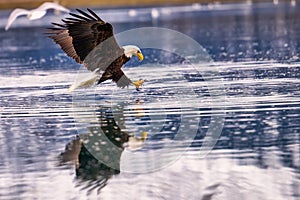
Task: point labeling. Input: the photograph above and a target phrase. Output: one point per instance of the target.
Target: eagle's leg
(138, 83)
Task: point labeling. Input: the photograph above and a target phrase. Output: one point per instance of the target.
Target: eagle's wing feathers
(81, 17)
(89, 16)
(94, 14)
(80, 34)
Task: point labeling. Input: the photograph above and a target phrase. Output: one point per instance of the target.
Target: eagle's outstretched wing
(80, 34)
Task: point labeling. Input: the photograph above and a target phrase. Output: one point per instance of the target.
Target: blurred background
(7, 4)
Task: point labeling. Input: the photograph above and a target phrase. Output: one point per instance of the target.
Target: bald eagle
(90, 41)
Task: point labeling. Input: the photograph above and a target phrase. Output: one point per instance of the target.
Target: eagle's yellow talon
(138, 83)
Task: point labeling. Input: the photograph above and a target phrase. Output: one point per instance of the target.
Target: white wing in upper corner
(52, 5)
(14, 14)
(45, 6)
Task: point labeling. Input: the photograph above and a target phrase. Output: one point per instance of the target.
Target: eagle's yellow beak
(140, 56)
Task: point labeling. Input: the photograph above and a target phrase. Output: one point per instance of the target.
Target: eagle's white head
(131, 50)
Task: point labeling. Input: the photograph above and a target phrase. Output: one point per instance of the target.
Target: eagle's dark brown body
(114, 71)
(89, 40)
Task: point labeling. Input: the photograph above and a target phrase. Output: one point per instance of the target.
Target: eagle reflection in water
(91, 172)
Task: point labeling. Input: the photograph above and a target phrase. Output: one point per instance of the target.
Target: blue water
(255, 52)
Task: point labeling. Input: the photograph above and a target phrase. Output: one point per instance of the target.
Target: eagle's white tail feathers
(84, 81)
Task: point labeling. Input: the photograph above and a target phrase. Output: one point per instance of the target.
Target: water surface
(255, 49)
